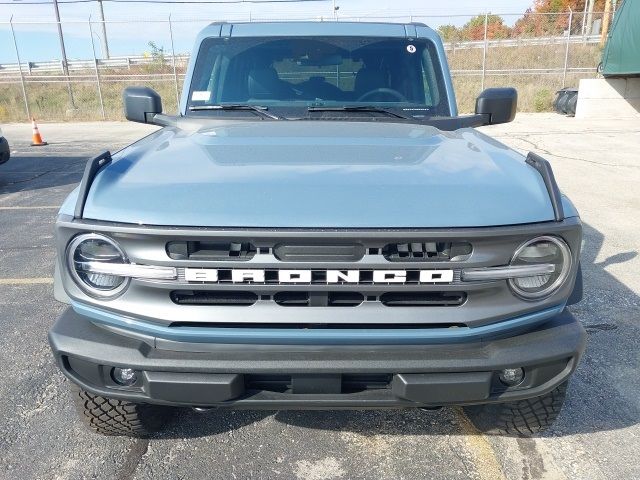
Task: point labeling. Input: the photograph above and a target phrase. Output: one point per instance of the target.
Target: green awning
(621, 56)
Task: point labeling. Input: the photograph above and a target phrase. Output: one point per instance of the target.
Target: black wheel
(113, 417)
(523, 418)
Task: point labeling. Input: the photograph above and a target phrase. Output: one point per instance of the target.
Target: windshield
(315, 72)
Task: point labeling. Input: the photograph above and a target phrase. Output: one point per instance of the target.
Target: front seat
(264, 84)
(368, 79)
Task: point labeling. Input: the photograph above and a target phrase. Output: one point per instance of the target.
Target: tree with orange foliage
(549, 17)
(474, 29)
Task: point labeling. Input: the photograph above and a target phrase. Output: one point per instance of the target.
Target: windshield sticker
(411, 48)
(201, 96)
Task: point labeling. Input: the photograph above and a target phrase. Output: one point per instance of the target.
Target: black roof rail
(544, 169)
(89, 175)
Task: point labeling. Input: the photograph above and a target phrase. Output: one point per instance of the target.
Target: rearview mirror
(141, 104)
(499, 105)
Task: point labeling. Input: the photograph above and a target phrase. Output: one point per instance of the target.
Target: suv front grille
(240, 250)
(317, 299)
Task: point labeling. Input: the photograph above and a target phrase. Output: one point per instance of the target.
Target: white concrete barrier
(609, 98)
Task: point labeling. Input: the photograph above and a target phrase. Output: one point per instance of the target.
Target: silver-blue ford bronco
(318, 228)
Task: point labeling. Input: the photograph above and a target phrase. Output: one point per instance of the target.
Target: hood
(319, 174)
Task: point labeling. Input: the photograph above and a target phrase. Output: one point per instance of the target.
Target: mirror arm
(162, 120)
(486, 118)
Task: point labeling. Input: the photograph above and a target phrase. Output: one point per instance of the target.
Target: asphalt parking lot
(596, 437)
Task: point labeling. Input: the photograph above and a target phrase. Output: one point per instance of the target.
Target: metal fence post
(484, 50)
(566, 51)
(95, 65)
(24, 90)
(175, 72)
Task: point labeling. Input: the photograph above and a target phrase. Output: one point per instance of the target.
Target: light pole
(105, 45)
(65, 67)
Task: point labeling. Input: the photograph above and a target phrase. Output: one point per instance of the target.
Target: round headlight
(88, 249)
(542, 250)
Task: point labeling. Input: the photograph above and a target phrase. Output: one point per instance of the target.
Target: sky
(136, 24)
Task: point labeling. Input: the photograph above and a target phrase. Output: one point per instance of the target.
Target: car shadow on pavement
(26, 173)
(602, 394)
(188, 423)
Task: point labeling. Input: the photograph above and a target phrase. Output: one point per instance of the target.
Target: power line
(18, 2)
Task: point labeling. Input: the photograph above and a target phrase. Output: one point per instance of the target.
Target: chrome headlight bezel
(84, 286)
(567, 263)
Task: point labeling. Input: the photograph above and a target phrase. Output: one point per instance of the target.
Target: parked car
(5, 153)
(318, 228)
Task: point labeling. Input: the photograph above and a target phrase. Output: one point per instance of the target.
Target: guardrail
(135, 60)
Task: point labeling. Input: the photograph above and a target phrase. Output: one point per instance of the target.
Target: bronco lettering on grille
(308, 276)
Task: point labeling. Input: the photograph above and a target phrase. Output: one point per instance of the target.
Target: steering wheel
(385, 91)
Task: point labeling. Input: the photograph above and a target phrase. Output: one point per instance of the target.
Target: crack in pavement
(547, 152)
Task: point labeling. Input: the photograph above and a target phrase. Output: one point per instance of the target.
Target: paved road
(596, 437)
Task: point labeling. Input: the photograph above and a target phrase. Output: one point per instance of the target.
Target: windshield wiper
(254, 108)
(359, 108)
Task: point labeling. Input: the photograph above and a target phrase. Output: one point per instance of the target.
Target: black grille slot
(319, 253)
(345, 299)
(197, 297)
(269, 383)
(216, 251)
(349, 383)
(318, 299)
(365, 381)
(423, 299)
(426, 251)
(292, 299)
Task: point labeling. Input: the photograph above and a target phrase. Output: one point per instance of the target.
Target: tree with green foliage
(449, 33)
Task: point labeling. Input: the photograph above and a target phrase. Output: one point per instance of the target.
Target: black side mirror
(499, 105)
(141, 104)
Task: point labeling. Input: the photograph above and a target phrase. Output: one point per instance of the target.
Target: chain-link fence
(536, 53)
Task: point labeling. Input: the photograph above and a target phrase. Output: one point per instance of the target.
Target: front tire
(113, 417)
(523, 418)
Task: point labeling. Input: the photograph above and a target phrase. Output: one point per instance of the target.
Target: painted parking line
(39, 207)
(485, 460)
(26, 281)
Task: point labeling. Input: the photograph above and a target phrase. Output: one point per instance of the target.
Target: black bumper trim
(421, 375)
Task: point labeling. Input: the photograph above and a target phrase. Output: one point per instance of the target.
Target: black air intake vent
(195, 297)
(318, 299)
(426, 251)
(423, 299)
(216, 251)
(319, 253)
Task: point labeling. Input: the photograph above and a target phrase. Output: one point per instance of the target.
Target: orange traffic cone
(36, 139)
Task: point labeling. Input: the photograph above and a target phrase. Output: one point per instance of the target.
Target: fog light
(124, 376)
(511, 376)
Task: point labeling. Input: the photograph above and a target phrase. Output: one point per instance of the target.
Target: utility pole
(65, 67)
(105, 44)
(590, 16)
(605, 22)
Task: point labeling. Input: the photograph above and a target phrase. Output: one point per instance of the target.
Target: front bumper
(4, 150)
(316, 376)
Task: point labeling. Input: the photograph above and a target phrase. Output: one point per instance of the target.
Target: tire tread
(522, 418)
(113, 417)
